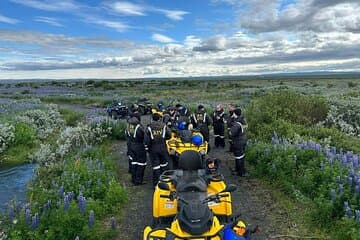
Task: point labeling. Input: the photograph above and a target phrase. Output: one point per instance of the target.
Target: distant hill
(290, 75)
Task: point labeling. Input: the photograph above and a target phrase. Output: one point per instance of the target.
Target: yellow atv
(195, 220)
(191, 179)
(185, 140)
(160, 112)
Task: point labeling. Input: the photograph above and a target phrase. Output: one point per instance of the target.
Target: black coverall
(156, 134)
(237, 134)
(202, 121)
(219, 128)
(136, 150)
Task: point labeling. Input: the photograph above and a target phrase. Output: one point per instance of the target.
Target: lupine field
(303, 139)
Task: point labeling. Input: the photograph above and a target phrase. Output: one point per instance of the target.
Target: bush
(24, 134)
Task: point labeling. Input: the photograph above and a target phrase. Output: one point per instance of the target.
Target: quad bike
(185, 140)
(145, 106)
(117, 110)
(195, 220)
(191, 179)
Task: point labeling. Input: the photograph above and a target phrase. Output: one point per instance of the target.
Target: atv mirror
(230, 188)
(163, 186)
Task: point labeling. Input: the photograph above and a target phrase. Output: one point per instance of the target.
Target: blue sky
(162, 38)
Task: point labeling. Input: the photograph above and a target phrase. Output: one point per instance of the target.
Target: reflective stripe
(130, 157)
(242, 128)
(215, 135)
(150, 131)
(164, 131)
(156, 168)
(195, 119)
(163, 165)
(139, 163)
(136, 128)
(240, 157)
(222, 136)
(204, 119)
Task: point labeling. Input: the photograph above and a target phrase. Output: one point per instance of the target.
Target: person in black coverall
(155, 135)
(201, 120)
(219, 126)
(237, 134)
(136, 149)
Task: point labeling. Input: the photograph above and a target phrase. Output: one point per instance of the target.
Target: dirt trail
(255, 203)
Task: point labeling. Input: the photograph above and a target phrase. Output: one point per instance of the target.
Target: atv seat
(191, 182)
(190, 160)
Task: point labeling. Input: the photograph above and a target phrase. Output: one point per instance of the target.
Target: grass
(16, 155)
(71, 117)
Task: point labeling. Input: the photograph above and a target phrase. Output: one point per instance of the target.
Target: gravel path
(255, 203)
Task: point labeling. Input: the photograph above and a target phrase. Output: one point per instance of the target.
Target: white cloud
(172, 14)
(116, 25)
(5, 19)
(127, 8)
(48, 5)
(151, 71)
(162, 38)
(48, 20)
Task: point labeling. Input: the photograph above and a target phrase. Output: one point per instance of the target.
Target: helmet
(212, 165)
(197, 140)
(182, 125)
(182, 110)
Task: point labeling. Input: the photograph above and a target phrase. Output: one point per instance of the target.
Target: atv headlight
(202, 151)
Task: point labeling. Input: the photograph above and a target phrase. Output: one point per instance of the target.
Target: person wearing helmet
(136, 150)
(212, 166)
(229, 122)
(237, 134)
(201, 120)
(156, 134)
(170, 116)
(134, 111)
(182, 116)
(219, 126)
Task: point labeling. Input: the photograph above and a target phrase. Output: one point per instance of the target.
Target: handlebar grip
(224, 195)
(164, 196)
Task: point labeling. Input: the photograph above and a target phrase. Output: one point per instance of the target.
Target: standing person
(136, 150)
(201, 120)
(170, 117)
(219, 126)
(156, 134)
(237, 134)
(229, 122)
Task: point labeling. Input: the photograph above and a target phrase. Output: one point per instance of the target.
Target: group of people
(152, 138)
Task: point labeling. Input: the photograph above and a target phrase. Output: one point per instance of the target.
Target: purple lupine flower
(343, 159)
(352, 172)
(113, 223)
(70, 196)
(91, 219)
(318, 147)
(333, 195)
(61, 190)
(341, 188)
(357, 189)
(333, 150)
(355, 161)
(81, 203)
(66, 203)
(311, 144)
(35, 221)
(349, 154)
(28, 216)
(357, 215)
(348, 212)
(331, 158)
(304, 145)
(11, 213)
(341, 151)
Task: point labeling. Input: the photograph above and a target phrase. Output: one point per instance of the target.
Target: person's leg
(156, 166)
(140, 165)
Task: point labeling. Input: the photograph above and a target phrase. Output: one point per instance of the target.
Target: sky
(68, 39)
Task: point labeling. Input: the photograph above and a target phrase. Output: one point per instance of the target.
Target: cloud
(116, 25)
(5, 19)
(151, 71)
(172, 14)
(213, 44)
(127, 8)
(132, 9)
(47, 5)
(162, 38)
(49, 20)
(304, 15)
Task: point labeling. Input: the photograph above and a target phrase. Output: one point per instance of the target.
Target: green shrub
(24, 134)
(71, 118)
